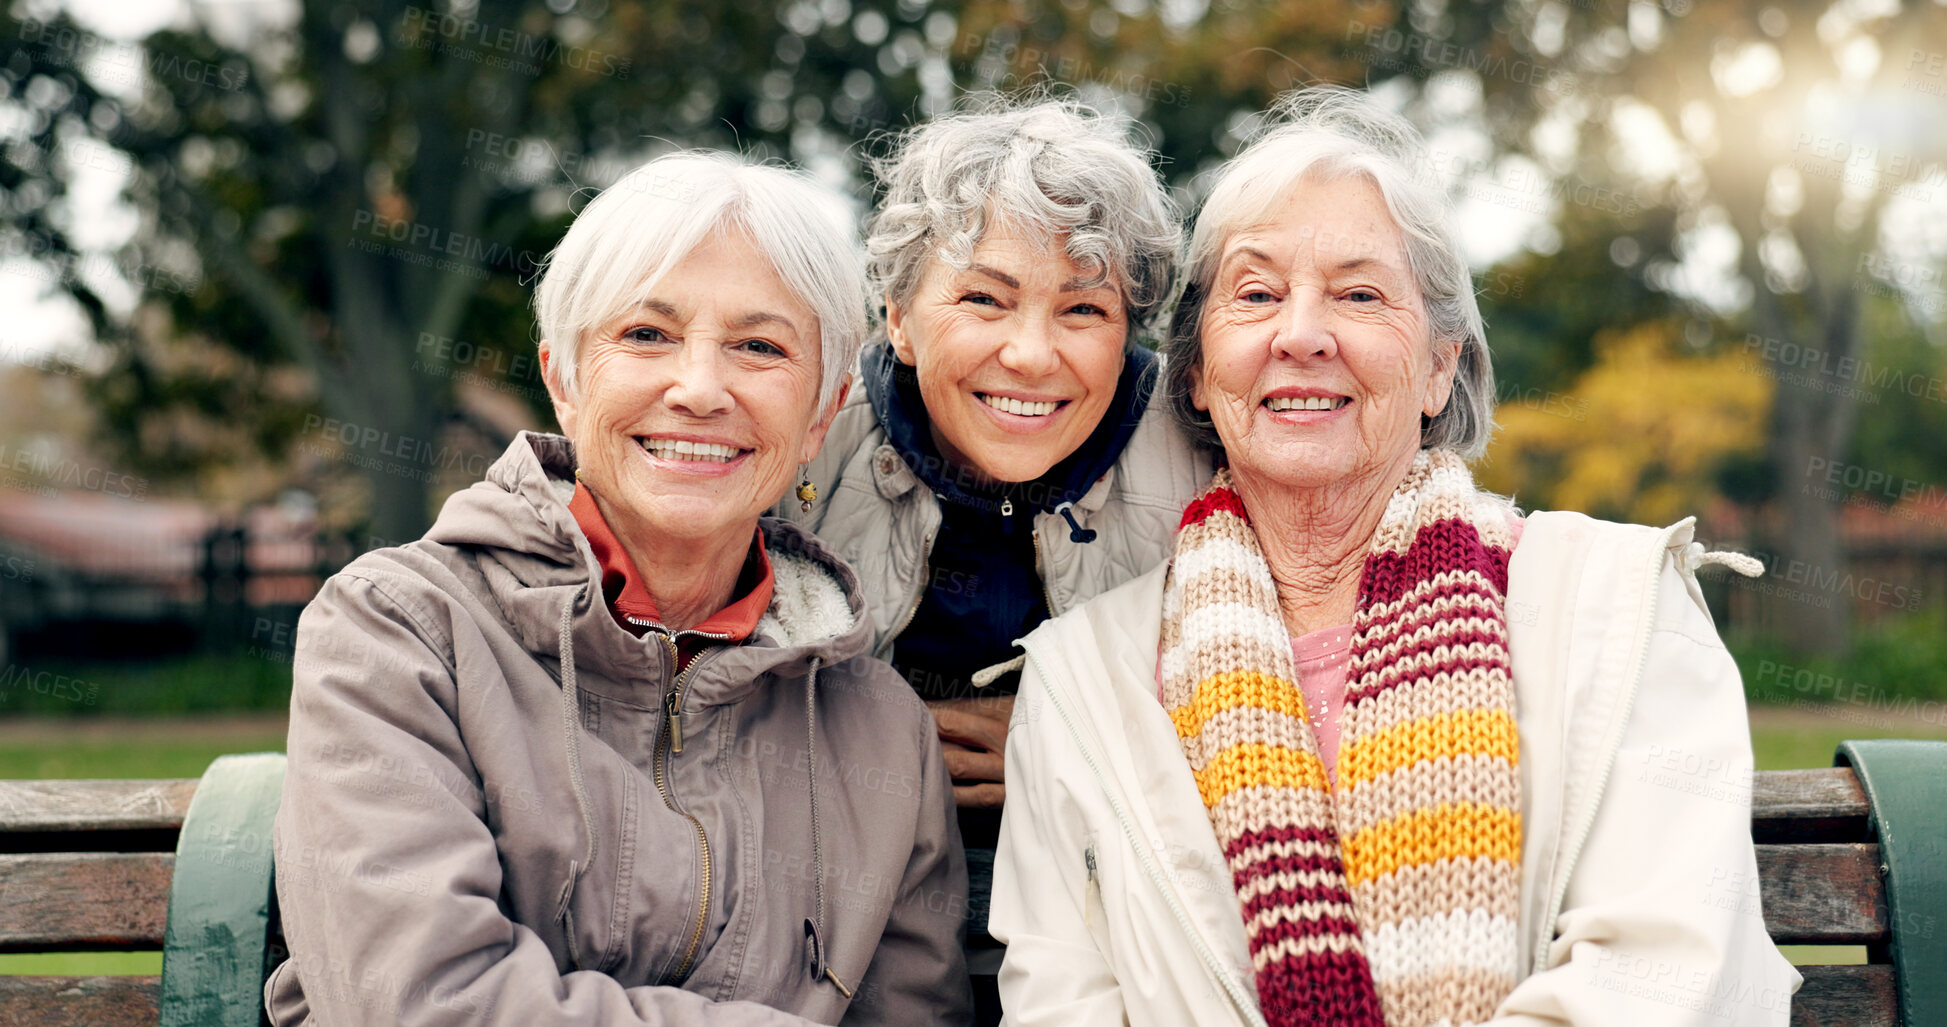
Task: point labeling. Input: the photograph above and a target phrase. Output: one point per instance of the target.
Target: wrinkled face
(1017, 358)
(697, 407)
(1317, 362)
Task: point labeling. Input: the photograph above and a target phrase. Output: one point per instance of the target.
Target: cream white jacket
(1639, 901)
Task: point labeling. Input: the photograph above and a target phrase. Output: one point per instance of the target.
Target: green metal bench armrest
(220, 895)
(1906, 783)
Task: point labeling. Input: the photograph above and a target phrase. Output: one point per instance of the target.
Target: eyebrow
(996, 274)
(739, 323)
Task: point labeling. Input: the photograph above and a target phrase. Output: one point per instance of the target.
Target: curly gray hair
(1331, 131)
(1056, 166)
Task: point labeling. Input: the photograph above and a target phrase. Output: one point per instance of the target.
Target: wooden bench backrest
(85, 866)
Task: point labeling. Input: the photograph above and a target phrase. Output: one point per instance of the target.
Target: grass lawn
(183, 746)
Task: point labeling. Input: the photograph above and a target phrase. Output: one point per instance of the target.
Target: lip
(693, 468)
(1022, 424)
(1304, 417)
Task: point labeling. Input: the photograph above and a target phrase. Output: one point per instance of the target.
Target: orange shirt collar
(628, 596)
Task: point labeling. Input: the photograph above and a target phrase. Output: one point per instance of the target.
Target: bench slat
(1822, 894)
(68, 902)
(1820, 805)
(1846, 996)
(78, 1001)
(94, 805)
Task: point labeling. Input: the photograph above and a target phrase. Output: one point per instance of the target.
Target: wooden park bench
(1851, 855)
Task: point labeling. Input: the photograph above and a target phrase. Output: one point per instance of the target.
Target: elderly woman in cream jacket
(1372, 748)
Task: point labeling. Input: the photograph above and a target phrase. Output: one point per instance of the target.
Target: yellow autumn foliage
(1641, 435)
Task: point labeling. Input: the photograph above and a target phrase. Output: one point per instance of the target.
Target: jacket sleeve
(1660, 922)
(388, 874)
(1055, 972)
(919, 973)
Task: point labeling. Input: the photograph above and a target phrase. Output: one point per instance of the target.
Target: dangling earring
(807, 494)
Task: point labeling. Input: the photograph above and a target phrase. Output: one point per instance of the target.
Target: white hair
(1335, 132)
(1057, 167)
(636, 231)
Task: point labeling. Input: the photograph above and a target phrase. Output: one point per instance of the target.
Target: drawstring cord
(814, 926)
(1076, 533)
(571, 736)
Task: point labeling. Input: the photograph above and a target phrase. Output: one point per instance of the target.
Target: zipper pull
(1007, 506)
(672, 705)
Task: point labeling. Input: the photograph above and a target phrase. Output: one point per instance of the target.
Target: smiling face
(1017, 359)
(697, 407)
(1317, 363)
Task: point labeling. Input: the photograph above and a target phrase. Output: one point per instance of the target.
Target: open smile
(688, 450)
(1020, 407)
(1278, 404)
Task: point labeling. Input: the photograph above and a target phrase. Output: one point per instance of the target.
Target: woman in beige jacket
(606, 746)
(1373, 749)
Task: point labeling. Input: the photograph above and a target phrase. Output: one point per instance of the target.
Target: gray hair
(636, 231)
(1336, 132)
(1056, 166)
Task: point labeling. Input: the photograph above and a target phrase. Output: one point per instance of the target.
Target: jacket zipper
(1147, 858)
(1041, 573)
(925, 570)
(1587, 823)
(669, 738)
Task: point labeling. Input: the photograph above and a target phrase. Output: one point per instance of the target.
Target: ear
(902, 344)
(1439, 384)
(1196, 389)
(815, 440)
(565, 409)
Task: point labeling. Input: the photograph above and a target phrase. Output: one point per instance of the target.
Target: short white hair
(1332, 132)
(637, 229)
(1057, 167)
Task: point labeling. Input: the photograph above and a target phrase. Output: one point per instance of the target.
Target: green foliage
(193, 684)
(1897, 666)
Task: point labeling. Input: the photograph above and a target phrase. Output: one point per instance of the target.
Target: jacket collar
(893, 389)
(533, 557)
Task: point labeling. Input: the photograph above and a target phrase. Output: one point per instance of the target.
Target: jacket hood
(893, 388)
(534, 560)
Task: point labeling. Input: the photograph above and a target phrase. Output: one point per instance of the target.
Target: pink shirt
(1321, 659)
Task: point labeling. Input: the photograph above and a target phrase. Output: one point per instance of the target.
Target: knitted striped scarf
(1392, 899)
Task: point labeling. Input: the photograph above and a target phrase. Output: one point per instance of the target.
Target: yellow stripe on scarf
(1454, 733)
(1255, 763)
(1463, 830)
(1232, 689)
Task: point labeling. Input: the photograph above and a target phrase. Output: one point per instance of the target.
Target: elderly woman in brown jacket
(605, 747)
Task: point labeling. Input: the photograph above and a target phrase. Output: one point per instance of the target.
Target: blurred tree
(1608, 446)
(339, 215)
(1807, 171)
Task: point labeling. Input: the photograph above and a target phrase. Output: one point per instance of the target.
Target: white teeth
(682, 449)
(1016, 406)
(1307, 402)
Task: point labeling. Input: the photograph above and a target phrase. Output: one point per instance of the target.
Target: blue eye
(1259, 296)
(978, 297)
(1362, 296)
(1089, 309)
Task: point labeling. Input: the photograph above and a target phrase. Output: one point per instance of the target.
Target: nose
(1030, 350)
(702, 385)
(1304, 327)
